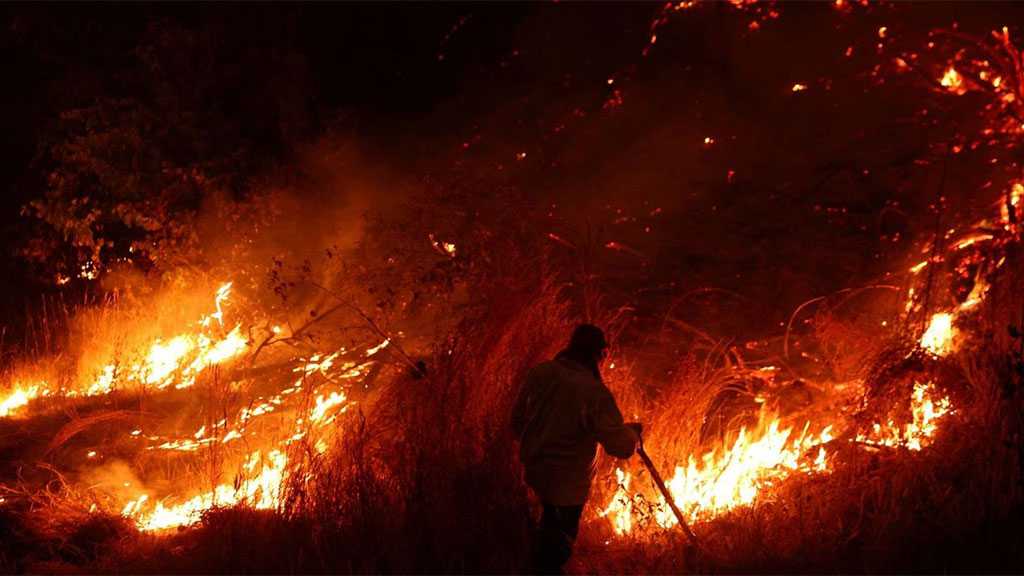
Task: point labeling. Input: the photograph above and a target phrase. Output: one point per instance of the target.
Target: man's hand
(636, 427)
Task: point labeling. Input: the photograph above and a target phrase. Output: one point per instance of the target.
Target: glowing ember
(378, 347)
(952, 81)
(448, 248)
(965, 242)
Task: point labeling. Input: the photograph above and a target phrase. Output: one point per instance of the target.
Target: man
(562, 413)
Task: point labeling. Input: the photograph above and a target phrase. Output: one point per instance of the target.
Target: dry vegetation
(419, 473)
(422, 475)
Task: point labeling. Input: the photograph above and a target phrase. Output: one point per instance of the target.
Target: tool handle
(665, 493)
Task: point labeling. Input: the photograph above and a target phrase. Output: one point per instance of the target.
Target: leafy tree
(125, 169)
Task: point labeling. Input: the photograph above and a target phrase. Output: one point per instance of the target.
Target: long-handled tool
(665, 493)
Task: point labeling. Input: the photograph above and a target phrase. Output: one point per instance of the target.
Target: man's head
(588, 342)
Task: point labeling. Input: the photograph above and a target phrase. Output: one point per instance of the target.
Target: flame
(976, 296)
(449, 248)
(938, 338)
(734, 477)
(104, 383)
(20, 396)
(917, 433)
(969, 240)
(163, 359)
(324, 404)
(721, 482)
(378, 347)
(222, 295)
(918, 267)
(754, 463)
(260, 491)
(181, 359)
(620, 508)
(953, 81)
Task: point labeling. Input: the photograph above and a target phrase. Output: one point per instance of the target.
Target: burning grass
(351, 414)
(786, 475)
(298, 459)
(294, 445)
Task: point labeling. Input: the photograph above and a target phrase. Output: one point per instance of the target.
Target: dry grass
(423, 474)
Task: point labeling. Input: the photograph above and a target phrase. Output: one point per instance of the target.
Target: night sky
(601, 118)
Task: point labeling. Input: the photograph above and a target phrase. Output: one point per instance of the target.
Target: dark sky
(403, 75)
(414, 82)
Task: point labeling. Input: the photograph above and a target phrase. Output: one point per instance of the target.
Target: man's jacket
(561, 414)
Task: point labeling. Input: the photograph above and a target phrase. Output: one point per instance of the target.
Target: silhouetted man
(562, 413)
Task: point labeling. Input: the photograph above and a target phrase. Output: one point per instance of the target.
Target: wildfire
(750, 466)
(721, 481)
(264, 474)
(20, 396)
(917, 433)
(260, 490)
(938, 338)
(754, 463)
(179, 360)
(264, 471)
(324, 404)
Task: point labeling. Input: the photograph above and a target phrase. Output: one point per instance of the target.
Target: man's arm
(617, 438)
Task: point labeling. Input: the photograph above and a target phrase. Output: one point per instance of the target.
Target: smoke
(115, 478)
(692, 192)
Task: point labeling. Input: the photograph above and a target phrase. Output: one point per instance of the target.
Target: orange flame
(938, 338)
(734, 477)
(917, 433)
(20, 396)
(260, 490)
(953, 81)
